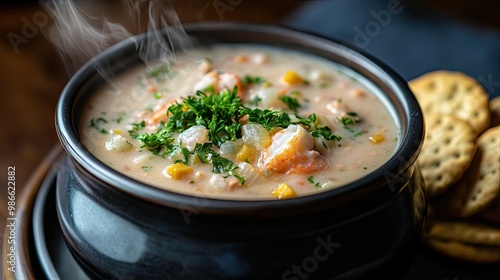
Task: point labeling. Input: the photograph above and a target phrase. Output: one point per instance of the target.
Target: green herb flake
(158, 95)
(147, 168)
(136, 127)
(94, 123)
(248, 79)
(324, 85)
(326, 133)
(292, 103)
(348, 119)
(310, 179)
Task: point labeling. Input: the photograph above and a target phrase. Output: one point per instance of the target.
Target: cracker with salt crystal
(480, 184)
(448, 149)
(453, 93)
(466, 252)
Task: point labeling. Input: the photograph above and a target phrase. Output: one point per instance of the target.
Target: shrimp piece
(357, 92)
(160, 114)
(194, 135)
(211, 79)
(219, 82)
(240, 58)
(229, 81)
(291, 151)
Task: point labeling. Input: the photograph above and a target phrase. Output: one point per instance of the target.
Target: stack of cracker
(460, 163)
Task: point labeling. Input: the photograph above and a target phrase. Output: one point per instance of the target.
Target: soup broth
(240, 122)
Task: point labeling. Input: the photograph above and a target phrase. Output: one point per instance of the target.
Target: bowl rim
(401, 162)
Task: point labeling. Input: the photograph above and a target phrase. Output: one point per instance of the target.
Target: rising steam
(80, 31)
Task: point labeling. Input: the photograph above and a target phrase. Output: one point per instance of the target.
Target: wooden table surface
(32, 74)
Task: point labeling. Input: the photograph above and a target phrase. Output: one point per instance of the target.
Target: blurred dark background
(32, 74)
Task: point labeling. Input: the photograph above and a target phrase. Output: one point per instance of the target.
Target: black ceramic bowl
(120, 228)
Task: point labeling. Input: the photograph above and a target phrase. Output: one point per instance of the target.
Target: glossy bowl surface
(117, 226)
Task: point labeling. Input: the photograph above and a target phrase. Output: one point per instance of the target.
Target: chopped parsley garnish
(158, 95)
(136, 127)
(159, 143)
(147, 168)
(348, 119)
(119, 120)
(95, 124)
(292, 103)
(270, 119)
(326, 133)
(220, 114)
(310, 179)
(252, 80)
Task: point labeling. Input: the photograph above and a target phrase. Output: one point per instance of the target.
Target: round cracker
(495, 111)
(453, 93)
(466, 252)
(480, 184)
(448, 149)
(464, 231)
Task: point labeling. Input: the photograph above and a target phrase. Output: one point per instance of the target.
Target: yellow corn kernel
(195, 160)
(178, 170)
(377, 138)
(291, 78)
(115, 131)
(283, 191)
(246, 153)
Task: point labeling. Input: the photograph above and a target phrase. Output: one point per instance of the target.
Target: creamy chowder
(240, 122)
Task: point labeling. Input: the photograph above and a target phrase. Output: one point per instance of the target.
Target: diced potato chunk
(246, 153)
(255, 135)
(260, 58)
(118, 143)
(319, 75)
(283, 191)
(291, 78)
(178, 170)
